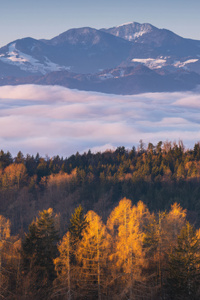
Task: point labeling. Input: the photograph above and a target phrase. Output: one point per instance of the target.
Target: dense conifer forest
(120, 224)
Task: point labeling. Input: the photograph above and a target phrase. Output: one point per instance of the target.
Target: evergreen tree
(38, 251)
(78, 223)
(184, 266)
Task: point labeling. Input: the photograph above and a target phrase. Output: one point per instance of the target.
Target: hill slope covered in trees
(134, 254)
(158, 175)
(132, 248)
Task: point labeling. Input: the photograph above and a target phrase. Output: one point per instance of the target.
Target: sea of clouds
(55, 120)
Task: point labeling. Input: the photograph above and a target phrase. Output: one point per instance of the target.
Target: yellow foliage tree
(172, 225)
(4, 235)
(126, 224)
(9, 259)
(14, 175)
(92, 256)
(65, 280)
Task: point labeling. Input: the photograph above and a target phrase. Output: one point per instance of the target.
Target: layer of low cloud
(54, 120)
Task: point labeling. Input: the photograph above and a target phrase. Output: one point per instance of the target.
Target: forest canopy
(113, 225)
(159, 175)
(135, 254)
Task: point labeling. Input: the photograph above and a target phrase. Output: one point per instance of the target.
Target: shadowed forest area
(120, 224)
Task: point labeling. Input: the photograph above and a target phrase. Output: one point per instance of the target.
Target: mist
(54, 120)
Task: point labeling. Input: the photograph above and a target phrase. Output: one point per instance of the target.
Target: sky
(48, 18)
(54, 120)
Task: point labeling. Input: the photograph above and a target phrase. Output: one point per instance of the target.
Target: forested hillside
(158, 175)
(121, 224)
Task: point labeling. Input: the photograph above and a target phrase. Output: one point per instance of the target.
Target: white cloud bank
(54, 120)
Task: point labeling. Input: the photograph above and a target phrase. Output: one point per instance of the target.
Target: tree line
(159, 175)
(135, 254)
(166, 161)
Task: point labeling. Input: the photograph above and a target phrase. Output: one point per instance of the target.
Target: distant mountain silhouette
(126, 59)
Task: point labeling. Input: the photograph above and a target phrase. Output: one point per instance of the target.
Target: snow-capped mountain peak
(128, 58)
(124, 24)
(130, 31)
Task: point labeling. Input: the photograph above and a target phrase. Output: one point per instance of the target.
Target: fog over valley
(55, 120)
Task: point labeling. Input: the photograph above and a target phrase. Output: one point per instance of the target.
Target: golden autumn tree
(118, 227)
(9, 261)
(64, 283)
(92, 256)
(4, 235)
(14, 175)
(174, 222)
(126, 227)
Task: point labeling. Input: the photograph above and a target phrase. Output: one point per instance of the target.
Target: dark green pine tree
(184, 266)
(39, 249)
(77, 224)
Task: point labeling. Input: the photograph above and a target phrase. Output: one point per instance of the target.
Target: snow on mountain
(88, 49)
(184, 63)
(161, 62)
(152, 63)
(124, 24)
(28, 63)
(130, 31)
(128, 58)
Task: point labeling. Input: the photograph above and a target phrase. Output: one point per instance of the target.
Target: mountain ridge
(90, 51)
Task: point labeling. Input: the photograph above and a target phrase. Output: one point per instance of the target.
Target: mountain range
(127, 59)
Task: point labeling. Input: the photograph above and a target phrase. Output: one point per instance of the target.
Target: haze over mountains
(127, 59)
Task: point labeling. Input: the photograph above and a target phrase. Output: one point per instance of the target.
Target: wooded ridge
(158, 175)
(117, 227)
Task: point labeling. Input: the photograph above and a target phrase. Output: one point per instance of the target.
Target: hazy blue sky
(48, 18)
